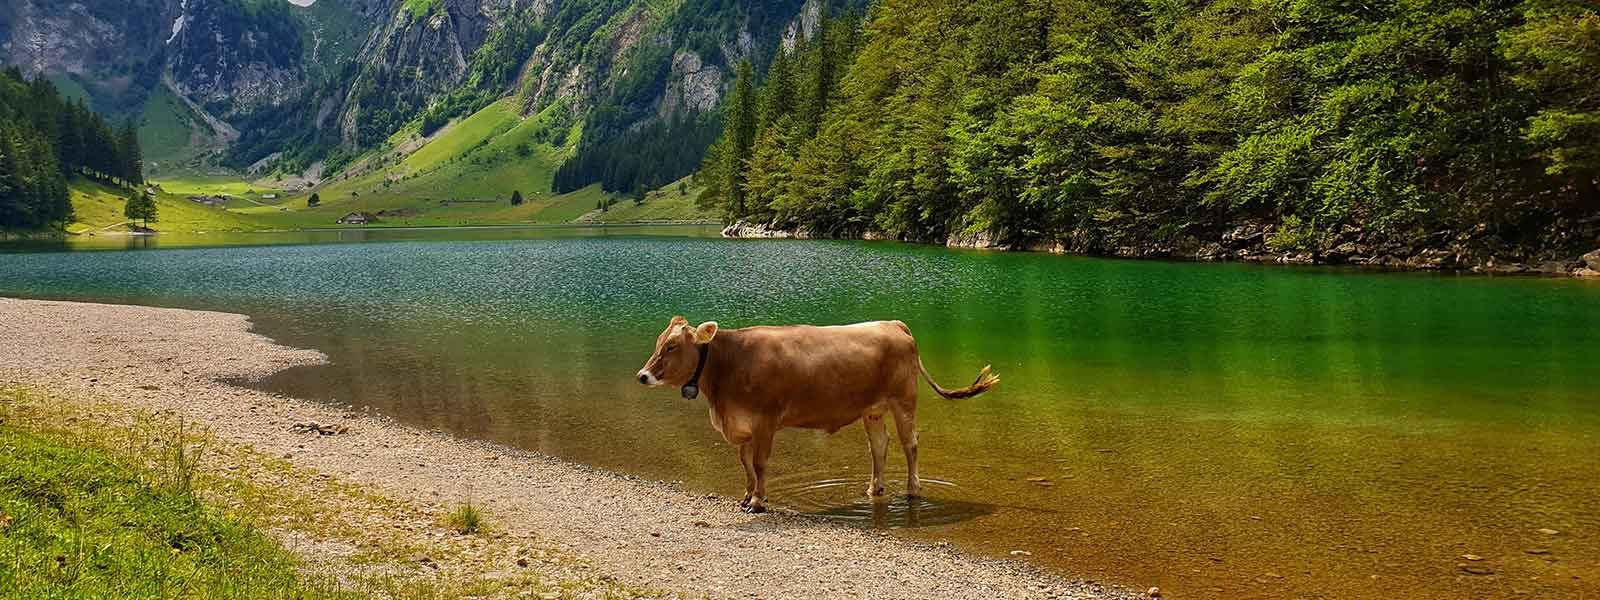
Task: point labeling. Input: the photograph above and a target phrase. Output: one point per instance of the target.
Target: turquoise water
(1262, 431)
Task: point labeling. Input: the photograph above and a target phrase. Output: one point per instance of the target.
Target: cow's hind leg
(905, 425)
(878, 442)
(747, 457)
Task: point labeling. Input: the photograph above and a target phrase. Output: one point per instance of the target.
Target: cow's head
(677, 352)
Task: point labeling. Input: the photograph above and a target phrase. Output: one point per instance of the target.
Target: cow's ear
(705, 332)
(678, 320)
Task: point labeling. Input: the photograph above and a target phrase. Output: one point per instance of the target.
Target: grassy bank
(98, 500)
(81, 521)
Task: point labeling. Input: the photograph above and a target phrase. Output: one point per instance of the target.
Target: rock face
(981, 239)
(84, 36)
(803, 26)
(742, 229)
(412, 59)
(1591, 265)
(232, 64)
(692, 86)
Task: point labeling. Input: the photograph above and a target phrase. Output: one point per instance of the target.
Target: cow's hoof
(754, 509)
(745, 502)
(874, 490)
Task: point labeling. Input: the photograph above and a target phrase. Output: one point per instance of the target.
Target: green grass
(467, 519)
(481, 126)
(166, 131)
(79, 522)
(192, 184)
(69, 87)
(464, 175)
(96, 206)
(669, 203)
(421, 8)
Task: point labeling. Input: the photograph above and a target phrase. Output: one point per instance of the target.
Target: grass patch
(672, 202)
(194, 184)
(467, 519)
(167, 130)
(96, 206)
(154, 478)
(81, 522)
(464, 175)
(421, 8)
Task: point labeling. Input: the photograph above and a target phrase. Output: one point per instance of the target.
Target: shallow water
(1218, 430)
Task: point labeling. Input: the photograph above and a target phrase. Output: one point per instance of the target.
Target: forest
(46, 139)
(1110, 126)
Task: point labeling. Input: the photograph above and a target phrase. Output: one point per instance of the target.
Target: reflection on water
(843, 499)
(1222, 431)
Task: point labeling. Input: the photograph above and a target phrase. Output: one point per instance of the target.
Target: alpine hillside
(421, 110)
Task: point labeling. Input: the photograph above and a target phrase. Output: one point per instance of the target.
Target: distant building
(269, 196)
(357, 218)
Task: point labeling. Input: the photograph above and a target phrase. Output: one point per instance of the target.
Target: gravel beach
(647, 534)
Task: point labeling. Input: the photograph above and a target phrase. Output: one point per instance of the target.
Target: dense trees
(648, 157)
(141, 206)
(1105, 125)
(43, 140)
(624, 145)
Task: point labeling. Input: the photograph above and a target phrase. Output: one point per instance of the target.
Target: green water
(1222, 431)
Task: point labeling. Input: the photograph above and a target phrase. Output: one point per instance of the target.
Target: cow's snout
(646, 378)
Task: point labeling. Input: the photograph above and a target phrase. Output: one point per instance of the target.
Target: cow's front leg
(878, 443)
(746, 456)
(762, 450)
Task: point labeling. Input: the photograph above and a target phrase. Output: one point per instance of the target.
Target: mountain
(313, 89)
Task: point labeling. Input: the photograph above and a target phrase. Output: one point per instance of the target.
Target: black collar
(691, 390)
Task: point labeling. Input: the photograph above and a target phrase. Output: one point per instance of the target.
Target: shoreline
(1246, 247)
(642, 533)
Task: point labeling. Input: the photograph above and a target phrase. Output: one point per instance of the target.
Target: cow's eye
(671, 347)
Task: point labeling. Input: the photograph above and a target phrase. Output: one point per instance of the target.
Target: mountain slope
(631, 87)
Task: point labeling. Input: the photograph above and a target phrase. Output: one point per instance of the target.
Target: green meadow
(464, 174)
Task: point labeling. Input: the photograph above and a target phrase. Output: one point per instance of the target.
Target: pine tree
(140, 207)
(733, 152)
(130, 161)
(313, 201)
(516, 197)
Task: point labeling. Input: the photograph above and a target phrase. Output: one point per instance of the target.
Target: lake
(1219, 430)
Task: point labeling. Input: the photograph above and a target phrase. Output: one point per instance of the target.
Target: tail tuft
(980, 385)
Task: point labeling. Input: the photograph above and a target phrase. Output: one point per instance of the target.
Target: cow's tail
(982, 384)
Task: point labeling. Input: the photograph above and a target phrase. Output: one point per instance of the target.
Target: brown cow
(758, 380)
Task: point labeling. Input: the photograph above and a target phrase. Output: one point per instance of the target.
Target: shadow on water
(844, 500)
